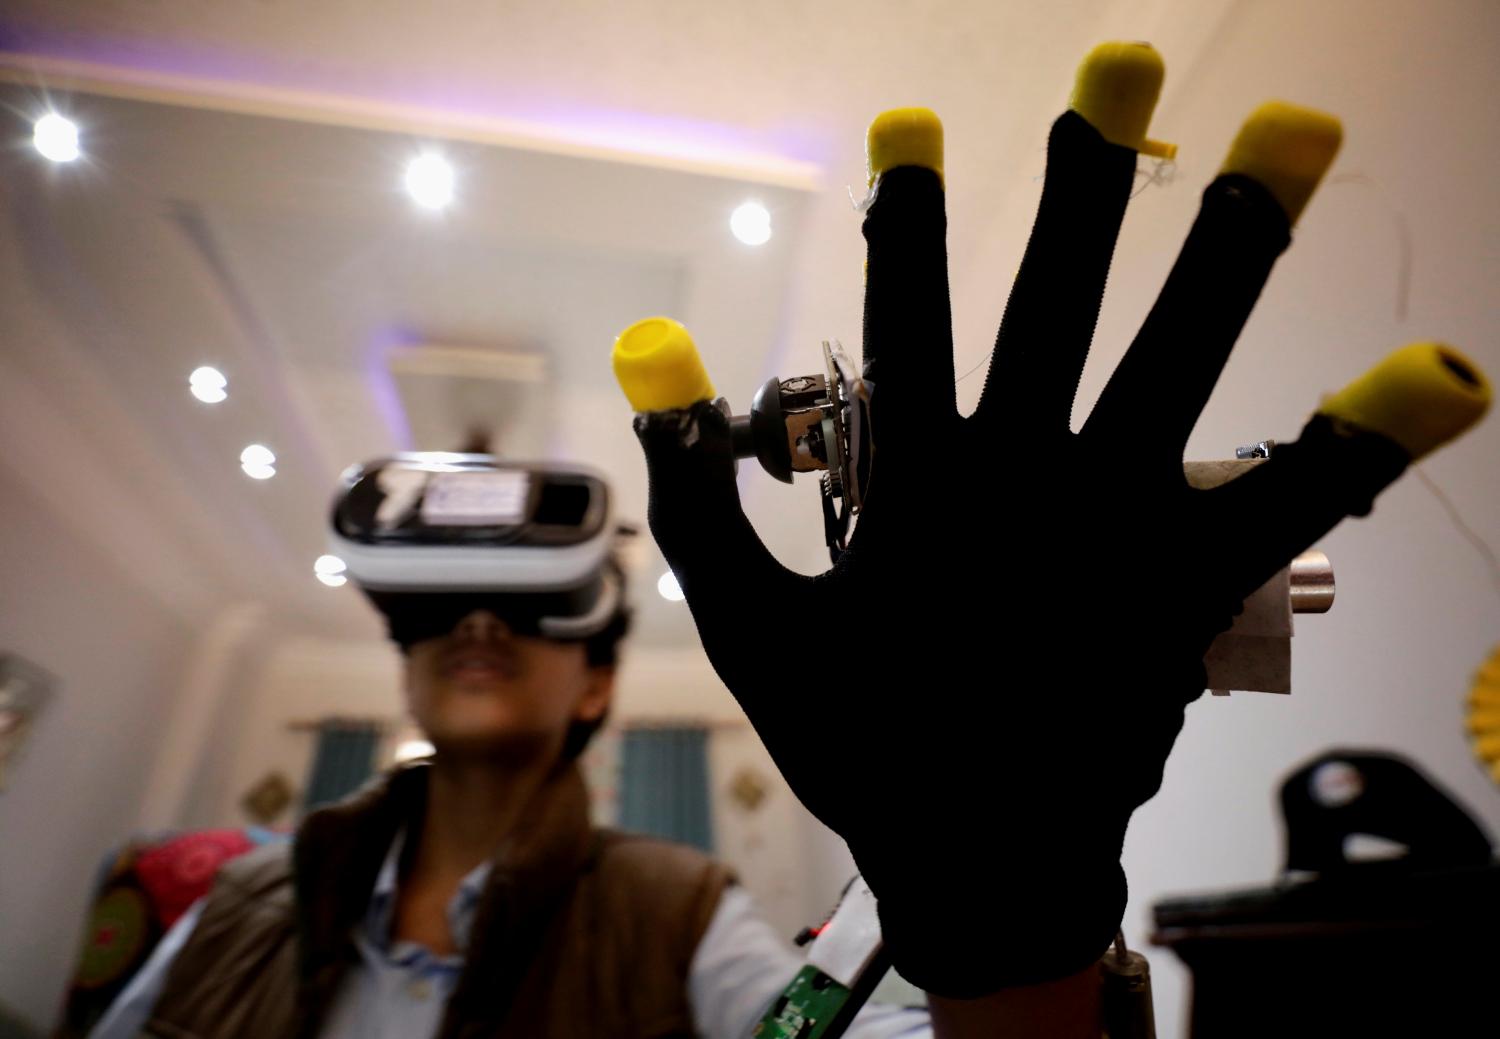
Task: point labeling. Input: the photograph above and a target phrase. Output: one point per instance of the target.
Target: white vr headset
(427, 535)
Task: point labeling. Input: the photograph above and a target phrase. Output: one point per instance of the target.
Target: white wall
(117, 654)
(303, 680)
(1416, 611)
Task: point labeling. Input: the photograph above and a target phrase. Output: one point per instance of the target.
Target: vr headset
(431, 537)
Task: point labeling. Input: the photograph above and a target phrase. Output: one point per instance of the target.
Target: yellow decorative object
(1485, 698)
(1421, 396)
(1287, 148)
(1116, 91)
(1483, 720)
(904, 137)
(658, 366)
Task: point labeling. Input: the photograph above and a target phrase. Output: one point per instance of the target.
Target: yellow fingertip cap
(1116, 91)
(658, 366)
(1421, 396)
(904, 137)
(1287, 148)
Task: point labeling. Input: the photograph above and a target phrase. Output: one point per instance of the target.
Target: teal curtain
(664, 785)
(343, 761)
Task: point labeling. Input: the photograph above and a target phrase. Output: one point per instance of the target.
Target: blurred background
(384, 226)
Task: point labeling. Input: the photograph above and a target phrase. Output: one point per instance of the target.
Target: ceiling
(239, 206)
(349, 322)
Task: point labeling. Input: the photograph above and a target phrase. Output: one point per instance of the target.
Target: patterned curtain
(664, 785)
(344, 759)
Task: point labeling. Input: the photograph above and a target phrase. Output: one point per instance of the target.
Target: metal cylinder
(1312, 583)
(1125, 996)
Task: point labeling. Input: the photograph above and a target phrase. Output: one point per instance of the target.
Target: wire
(983, 361)
(1163, 171)
(1404, 248)
(1492, 561)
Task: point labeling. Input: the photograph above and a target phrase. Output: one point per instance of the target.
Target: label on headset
(478, 499)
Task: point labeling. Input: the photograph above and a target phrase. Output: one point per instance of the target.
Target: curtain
(664, 785)
(343, 760)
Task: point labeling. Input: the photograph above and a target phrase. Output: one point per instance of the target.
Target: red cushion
(180, 871)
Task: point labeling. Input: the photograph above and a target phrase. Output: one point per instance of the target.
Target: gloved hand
(988, 683)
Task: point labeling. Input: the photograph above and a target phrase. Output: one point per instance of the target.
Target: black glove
(988, 682)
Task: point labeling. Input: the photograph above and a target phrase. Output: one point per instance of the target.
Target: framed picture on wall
(24, 690)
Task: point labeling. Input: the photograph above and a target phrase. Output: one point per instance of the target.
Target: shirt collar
(382, 908)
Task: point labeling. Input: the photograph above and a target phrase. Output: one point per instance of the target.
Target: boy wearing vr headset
(468, 894)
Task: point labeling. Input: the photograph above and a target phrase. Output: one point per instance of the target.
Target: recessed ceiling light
(56, 137)
(669, 588)
(257, 454)
(429, 180)
(208, 385)
(751, 223)
(330, 570)
(258, 462)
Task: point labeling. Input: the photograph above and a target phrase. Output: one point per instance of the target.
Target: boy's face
(482, 688)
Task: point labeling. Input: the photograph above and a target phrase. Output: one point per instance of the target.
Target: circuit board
(805, 1008)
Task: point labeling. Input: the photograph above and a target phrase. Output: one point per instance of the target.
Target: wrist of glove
(950, 931)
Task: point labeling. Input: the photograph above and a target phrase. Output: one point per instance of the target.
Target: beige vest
(579, 932)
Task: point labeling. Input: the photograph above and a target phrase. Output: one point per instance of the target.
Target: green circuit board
(805, 1008)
